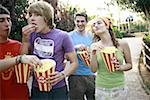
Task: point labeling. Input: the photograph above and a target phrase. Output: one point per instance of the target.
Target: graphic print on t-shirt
(44, 47)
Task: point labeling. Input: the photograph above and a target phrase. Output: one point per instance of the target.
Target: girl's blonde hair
(44, 9)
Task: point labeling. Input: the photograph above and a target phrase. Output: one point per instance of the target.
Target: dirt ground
(145, 75)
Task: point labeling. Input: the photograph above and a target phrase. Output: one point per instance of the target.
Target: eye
(2, 20)
(93, 24)
(82, 21)
(37, 14)
(8, 19)
(98, 22)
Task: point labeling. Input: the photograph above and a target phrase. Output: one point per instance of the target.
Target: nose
(96, 24)
(80, 23)
(7, 22)
(32, 17)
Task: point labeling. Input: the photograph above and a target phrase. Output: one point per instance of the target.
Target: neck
(2, 40)
(46, 30)
(106, 39)
(81, 32)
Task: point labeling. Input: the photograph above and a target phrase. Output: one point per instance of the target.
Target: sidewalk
(136, 92)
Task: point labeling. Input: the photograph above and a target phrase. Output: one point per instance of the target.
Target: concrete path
(136, 92)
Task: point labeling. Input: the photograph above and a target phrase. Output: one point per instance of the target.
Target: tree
(10, 5)
(20, 10)
(138, 6)
(17, 10)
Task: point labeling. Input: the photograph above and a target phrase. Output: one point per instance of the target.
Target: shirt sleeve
(67, 44)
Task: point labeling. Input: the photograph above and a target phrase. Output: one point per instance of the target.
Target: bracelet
(19, 59)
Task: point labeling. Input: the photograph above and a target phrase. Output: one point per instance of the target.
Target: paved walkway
(136, 92)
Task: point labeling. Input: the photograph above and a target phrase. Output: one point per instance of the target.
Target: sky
(90, 5)
(98, 7)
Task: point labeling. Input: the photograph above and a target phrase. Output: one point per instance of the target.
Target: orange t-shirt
(9, 88)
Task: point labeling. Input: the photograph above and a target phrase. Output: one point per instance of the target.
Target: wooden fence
(146, 57)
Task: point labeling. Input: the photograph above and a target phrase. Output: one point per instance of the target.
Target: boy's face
(5, 25)
(38, 21)
(80, 23)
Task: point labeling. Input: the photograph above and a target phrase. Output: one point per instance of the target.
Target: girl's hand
(115, 61)
(95, 47)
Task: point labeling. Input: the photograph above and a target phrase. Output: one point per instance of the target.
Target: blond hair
(44, 9)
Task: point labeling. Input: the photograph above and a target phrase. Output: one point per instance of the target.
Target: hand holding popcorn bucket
(22, 72)
(42, 74)
(108, 54)
(84, 56)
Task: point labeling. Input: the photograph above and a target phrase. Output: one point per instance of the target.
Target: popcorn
(42, 74)
(84, 57)
(22, 72)
(107, 54)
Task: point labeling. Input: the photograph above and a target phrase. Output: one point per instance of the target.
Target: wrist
(19, 59)
(25, 39)
(63, 74)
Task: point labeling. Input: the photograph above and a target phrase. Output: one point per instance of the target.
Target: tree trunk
(147, 14)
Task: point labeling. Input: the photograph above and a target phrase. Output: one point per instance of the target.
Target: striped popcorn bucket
(42, 74)
(22, 72)
(84, 56)
(107, 54)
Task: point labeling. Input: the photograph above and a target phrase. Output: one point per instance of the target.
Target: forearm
(71, 69)
(126, 67)
(25, 48)
(73, 65)
(6, 63)
(94, 64)
(25, 45)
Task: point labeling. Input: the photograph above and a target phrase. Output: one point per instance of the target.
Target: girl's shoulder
(123, 44)
(96, 43)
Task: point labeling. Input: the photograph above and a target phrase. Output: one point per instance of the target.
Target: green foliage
(65, 17)
(139, 27)
(146, 38)
(119, 34)
(20, 7)
(136, 5)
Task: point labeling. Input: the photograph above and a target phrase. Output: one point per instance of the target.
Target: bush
(146, 38)
(119, 34)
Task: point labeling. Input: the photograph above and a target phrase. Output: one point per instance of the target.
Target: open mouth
(33, 23)
(6, 30)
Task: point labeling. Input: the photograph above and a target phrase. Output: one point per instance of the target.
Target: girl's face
(39, 22)
(99, 26)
